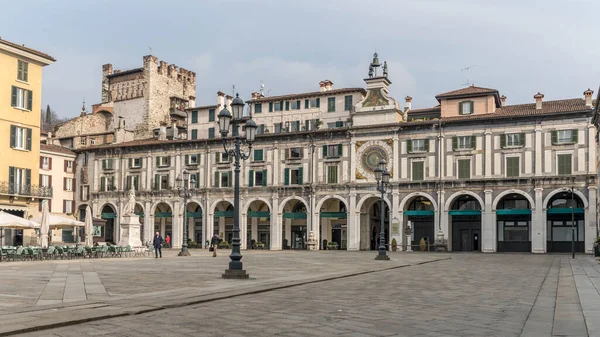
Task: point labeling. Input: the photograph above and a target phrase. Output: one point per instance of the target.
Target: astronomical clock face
(369, 154)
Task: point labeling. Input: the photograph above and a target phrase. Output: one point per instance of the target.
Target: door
(465, 240)
(476, 240)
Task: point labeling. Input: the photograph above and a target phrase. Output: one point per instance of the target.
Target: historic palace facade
(473, 172)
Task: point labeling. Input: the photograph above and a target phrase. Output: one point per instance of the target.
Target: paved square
(315, 294)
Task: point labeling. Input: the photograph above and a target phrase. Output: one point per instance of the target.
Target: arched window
(420, 204)
(466, 202)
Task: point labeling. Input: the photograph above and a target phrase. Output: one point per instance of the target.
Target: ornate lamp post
(226, 119)
(382, 175)
(185, 192)
(572, 192)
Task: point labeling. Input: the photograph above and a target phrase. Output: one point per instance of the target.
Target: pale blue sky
(516, 46)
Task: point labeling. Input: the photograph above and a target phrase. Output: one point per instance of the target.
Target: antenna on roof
(466, 70)
(262, 88)
(233, 90)
(150, 50)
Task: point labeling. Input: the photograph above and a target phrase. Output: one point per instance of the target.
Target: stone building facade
(472, 172)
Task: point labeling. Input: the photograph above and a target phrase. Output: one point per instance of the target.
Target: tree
(49, 119)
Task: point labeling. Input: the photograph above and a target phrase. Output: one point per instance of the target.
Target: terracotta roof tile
(203, 107)
(56, 148)
(29, 50)
(308, 94)
(472, 90)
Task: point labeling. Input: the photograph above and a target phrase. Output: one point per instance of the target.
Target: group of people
(159, 241)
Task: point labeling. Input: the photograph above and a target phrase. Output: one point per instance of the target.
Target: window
(163, 161)
(261, 129)
(68, 184)
(463, 143)
(294, 153)
(192, 159)
(46, 163)
(294, 126)
(83, 141)
(277, 106)
(135, 162)
(464, 168)
(161, 181)
(22, 71)
(69, 165)
(333, 125)
(258, 155)
(258, 108)
(68, 206)
(45, 180)
(194, 134)
(312, 103)
(20, 138)
(85, 193)
(332, 151)
(211, 133)
(278, 127)
(564, 164)
(465, 108)
(516, 231)
(512, 167)
(418, 170)
(332, 174)
(221, 157)
(21, 98)
(512, 140)
(211, 115)
(294, 105)
(194, 116)
(133, 181)
(107, 164)
(564, 137)
(331, 104)
(92, 141)
(348, 103)
(223, 179)
(257, 178)
(106, 184)
(292, 176)
(417, 145)
(19, 180)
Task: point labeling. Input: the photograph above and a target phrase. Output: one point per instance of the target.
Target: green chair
(50, 253)
(128, 251)
(3, 255)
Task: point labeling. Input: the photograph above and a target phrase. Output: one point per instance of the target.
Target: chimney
(503, 100)
(162, 133)
(220, 99)
(228, 100)
(588, 97)
(255, 95)
(407, 105)
(325, 85)
(538, 100)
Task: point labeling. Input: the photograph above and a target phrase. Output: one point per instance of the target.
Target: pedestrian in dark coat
(215, 243)
(158, 242)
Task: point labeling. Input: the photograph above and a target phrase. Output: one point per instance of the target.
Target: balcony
(31, 191)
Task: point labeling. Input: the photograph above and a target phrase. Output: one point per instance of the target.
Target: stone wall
(83, 125)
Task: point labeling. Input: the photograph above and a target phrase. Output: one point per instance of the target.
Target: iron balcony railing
(34, 191)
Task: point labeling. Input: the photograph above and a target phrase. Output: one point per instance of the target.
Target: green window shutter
(102, 184)
(157, 161)
(522, 139)
(11, 175)
(318, 102)
(229, 178)
(324, 151)
(417, 171)
(339, 150)
(307, 125)
(128, 183)
(472, 107)
(503, 141)
(286, 176)
(156, 181)
(473, 142)
(195, 116)
(270, 106)
(25, 71)
(264, 182)
(104, 164)
(348, 103)
(187, 159)
(297, 125)
(136, 183)
(28, 144)
(454, 143)
(251, 178)
(29, 99)
(409, 146)
(27, 177)
(281, 105)
(300, 176)
(554, 137)
(13, 96)
(130, 162)
(427, 142)
(298, 105)
(306, 104)
(216, 182)
(194, 134)
(287, 105)
(575, 136)
(13, 136)
(460, 108)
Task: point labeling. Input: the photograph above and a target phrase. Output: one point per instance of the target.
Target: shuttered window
(464, 169)
(23, 71)
(194, 116)
(560, 137)
(564, 164)
(331, 104)
(258, 108)
(211, 115)
(211, 133)
(332, 174)
(21, 98)
(348, 103)
(418, 170)
(258, 155)
(512, 167)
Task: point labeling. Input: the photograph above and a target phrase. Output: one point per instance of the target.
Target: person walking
(215, 243)
(168, 241)
(158, 242)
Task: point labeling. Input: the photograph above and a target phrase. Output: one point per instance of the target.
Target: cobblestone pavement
(467, 295)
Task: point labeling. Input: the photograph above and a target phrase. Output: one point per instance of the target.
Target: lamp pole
(226, 119)
(382, 175)
(185, 193)
(572, 222)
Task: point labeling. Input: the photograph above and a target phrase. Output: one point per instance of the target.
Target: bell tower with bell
(377, 107)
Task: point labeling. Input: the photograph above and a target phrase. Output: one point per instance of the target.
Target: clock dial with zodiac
(369, 154)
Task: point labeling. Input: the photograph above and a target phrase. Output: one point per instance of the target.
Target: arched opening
(258, 226)
(106, 232)
(465, 220)
(223, 221)
(420, 217)
(370, 223)
(294, 231)
(565, 219)
(139, 211)
(333, 225)
(163, 220)
(194, 223)
(513, 218)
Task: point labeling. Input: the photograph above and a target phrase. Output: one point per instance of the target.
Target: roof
(29, 50)
(472, 90)
(203, 107)
(308, 94)
(126, 72)
(56, 148)
(436, 108)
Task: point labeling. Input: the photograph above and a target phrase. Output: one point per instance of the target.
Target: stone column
(538, 223)
(488, 225)
(177, 225)
(210, 226)
(538, 150)
(276, 240)
(95, 177)
(244, 229)
(148, 221)
(149, 177)
(445, 227)
(396, 159)
(590, 220)
(488, 153)
(400, 238)
(394, 216)
(353, 227)
(352, 156)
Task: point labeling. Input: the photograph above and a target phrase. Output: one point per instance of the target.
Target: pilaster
(244, 230)
(538, 150)
(353, 223)
(488, 227)
(352, 156)
(538, 223)
(488, 154)
(396, 159)
(177, 225)
(590, 220)
(276, 240)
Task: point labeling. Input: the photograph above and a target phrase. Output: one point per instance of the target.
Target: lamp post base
(184, 253)
(382, 257)
(235, 274)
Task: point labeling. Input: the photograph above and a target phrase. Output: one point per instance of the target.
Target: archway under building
(370, 222)
(333, 224)
(465, 223)
(106, 233)
(294, 224)
(258, 225)
(163, 220)
(194, 227)
(513, 220)
(223, 221)
(420, 216)
(565, 219)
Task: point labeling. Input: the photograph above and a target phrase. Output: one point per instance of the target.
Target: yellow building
(20, 106)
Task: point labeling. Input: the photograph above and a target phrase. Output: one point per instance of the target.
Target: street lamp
(235, 120)
(185, 193)
(383, 179)
(572, 191)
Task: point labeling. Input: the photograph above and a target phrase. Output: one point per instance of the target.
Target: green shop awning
(465, 212)
(419, 213)
(140, 214)
(108, 216)
(194, 214)
(224, 214)
(334, 215)
(565, 210)
(294, 215)
(513, 211)
(256, 214)
(163, 215)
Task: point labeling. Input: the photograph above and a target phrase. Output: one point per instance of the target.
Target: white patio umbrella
(9, 221)
(89, 227)
(57, 221)
(45, 223)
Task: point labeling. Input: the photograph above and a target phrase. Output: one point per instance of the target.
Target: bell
(375, 62)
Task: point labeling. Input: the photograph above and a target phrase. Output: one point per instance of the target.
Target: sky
(519, 47)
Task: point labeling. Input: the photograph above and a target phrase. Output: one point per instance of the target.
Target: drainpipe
(440, 234)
